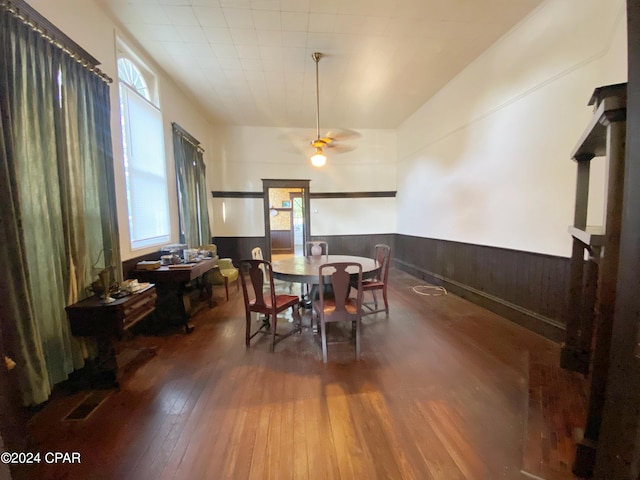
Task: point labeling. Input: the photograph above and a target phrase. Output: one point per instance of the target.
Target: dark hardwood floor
(444, 390)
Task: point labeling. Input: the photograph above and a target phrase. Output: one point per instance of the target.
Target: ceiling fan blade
(340, 134)
(339, 148)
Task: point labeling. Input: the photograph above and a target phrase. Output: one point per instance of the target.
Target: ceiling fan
(318, 159)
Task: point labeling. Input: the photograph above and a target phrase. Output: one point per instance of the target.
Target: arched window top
(131, 75)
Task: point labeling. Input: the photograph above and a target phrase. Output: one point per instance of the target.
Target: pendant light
(318, 159)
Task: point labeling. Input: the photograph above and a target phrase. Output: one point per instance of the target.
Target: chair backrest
(382, 254)
(256, 254)
(254, 271)
(338, 275)
(321, 243)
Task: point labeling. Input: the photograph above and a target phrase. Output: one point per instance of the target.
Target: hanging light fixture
(318, 159)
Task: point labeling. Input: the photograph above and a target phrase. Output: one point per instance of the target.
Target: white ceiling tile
(294, 5)
(231, 65)
(219, 36)
(294, 39)
(210, 16)
(200, 50)
(294, 21)
(238, 18)
(322, 22)
(354, 7)
(324, 6)
(266, 20)
(248, 52)
(236, 3)
(374, 24)
(205, 3)
(193, 34)
(175, 49)
(272, 38)
(224, 51)
(349, 23)
(244, 36)
(210, 65)
(251, 64)
(273, 5)
(320, 41)
(155, 49)
(181, 15)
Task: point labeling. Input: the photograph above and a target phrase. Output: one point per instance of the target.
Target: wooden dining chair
(382, 254)
(339, 307)
(263, 299)
(256, 254)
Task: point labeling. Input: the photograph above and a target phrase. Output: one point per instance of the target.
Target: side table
(107, 322)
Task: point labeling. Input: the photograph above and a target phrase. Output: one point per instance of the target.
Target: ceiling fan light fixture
(318, 159)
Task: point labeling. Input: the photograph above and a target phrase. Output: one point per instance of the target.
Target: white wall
(91, 28)
(246, 155)
(486, 161)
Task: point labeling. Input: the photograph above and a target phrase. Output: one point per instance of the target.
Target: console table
(172, 281)
(107, 322)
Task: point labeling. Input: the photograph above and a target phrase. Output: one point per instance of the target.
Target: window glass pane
(145, 170)
(131, 75)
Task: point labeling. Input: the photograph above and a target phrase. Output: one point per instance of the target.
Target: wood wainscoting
(530, 289)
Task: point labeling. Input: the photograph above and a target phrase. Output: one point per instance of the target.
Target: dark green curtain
(192, 191)
(56, 200)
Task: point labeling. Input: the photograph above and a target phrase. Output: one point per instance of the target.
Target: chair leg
(226, 286)
(295, 313)
(323, 329)
(248, 330)
(273, 333)
(358, 339)
(386, 302)
(375, 299)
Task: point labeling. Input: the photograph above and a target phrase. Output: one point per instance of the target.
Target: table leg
(185, 301)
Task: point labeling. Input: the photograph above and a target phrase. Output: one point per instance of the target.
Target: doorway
(286, 205)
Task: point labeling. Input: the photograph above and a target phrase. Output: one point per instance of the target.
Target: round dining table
(306, 269)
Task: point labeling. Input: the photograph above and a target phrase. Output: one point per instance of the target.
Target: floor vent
(88, 405)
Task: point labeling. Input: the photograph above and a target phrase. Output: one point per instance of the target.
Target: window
(144, 157)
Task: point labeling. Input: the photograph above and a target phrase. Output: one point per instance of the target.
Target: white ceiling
(248, 62)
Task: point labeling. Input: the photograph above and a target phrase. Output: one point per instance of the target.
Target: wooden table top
(177, 273)
(305, 269)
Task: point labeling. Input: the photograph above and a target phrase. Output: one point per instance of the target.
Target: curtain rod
(187, 136)
(47, 30)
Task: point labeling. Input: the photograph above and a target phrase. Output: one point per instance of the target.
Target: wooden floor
(444, 390)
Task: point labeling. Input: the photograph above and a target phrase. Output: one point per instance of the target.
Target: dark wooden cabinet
(107, 322)
(92, 317)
